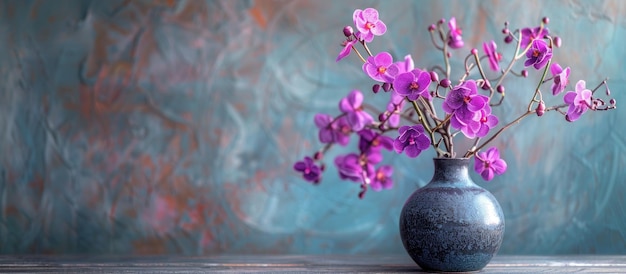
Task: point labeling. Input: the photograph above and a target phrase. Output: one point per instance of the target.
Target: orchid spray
(411, 123)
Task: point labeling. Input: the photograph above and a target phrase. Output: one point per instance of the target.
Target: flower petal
(499, 166)
(322, 120)
(487, 174)
(412, 151)
(569, 97)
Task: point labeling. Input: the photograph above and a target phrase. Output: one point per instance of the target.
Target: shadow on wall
(162, 127)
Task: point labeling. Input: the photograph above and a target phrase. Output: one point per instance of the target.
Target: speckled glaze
(451, 224)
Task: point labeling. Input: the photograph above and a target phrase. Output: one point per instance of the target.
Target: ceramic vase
(451, 224)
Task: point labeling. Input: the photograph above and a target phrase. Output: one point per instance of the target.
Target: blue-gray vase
(451, 224)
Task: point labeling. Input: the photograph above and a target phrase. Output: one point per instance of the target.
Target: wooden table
(295, 263)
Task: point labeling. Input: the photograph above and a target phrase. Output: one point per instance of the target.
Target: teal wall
(143, 127)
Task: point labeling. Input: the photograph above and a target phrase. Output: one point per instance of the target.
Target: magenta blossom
(368, 24)
(412, 140)
(349, 167)
(402, 66)
(380, 67)
(539, 54)
(370, 140)
(310, 171)
(455, 40)
(358, 167)
(479, 128)
(381, 179)
(488, 164)
(579, 101)
(529, 35)
(406, 65)
(352, 107)
(464, 102)
(413, 84)
(492, 54)
(561, 78)
(333, 131)
(347, 48)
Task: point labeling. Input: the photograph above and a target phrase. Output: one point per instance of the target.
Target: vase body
(451, 224)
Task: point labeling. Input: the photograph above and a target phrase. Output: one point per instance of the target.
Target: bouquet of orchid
(466, 104)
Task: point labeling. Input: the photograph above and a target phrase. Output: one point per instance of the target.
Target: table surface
(295, 264)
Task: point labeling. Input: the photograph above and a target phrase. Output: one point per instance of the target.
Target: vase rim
(444, 158)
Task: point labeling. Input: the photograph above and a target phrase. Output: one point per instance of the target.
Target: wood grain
(295, 263)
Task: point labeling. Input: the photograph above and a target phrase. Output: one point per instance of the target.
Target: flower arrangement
(425, 111)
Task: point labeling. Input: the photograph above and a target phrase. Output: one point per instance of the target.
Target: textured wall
(172, 126)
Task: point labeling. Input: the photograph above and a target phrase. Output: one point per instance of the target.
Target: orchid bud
(348, 31)
(474, 51)
(362, 192)
(376, 88)
(486, 85)
(434, 76)
(612, 102)
(318, 156)
(557, 41)
(382, 116)
(508, 39)
(541, 108)
(500, 89)
(545, 20)
(432, 28)
(524, 73)
(445, 83)
(386, 87)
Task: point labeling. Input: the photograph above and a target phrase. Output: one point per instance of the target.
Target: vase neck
(451, 170)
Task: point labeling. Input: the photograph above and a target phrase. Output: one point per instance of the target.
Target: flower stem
(537, 90)
(366, 48)
(473, 151)
(482, 73)
(359, 54)
(425, 123)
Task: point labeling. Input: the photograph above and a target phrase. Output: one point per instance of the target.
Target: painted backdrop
(171, 127)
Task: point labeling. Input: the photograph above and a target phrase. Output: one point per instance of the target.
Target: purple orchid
(349, 167)
(479, 128)
(310, 171)
(352, 107)
(561, 78)
(333, 131)
(413, 84)
(455, 40)
(402, 66)
(406, 65)
(464, 103)
(579, 101)
(539, 54)
(371, 140)
(493, 55)
(358, 167)
(347, 48)
(488, 164)
(380, 67)
(382, 178)
(412, 140)
(368, 24)
(529, 35)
